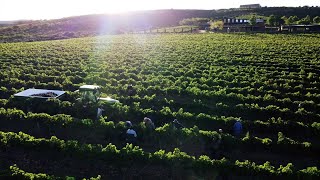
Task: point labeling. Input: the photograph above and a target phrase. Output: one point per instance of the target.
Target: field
(207, 81)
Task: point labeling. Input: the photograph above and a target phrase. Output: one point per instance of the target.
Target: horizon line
(137, 11)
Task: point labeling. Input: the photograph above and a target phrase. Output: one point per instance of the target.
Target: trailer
(40, 93)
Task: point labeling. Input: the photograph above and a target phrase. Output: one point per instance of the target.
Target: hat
(128, 124)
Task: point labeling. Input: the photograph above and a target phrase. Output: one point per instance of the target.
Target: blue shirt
(132, 132)
(237, 126)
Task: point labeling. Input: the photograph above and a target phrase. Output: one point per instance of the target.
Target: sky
(53, 9)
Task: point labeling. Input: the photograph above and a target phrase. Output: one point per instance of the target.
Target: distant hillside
(11, 23)
(92, 25)
(6, 23)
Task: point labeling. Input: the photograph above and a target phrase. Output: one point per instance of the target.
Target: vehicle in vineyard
(90, 98)
(92, 94)
(40, 93)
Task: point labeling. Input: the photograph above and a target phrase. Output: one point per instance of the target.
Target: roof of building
(250, 5)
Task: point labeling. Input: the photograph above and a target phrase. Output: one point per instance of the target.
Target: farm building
(250, 6)
(242, 25)
(232, 21)
(300, 28)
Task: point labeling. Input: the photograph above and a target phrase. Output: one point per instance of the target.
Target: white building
(250, 6)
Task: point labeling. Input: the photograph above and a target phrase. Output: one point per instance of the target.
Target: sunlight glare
(53, 9)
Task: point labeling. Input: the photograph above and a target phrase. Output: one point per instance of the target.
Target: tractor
(90, 94)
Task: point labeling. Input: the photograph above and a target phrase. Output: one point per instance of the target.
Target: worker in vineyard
(237, 128)
(217, 140)
(216, 145)
(148, 123)
(150, 127)
(131, 91)
(128, 124)
(99, 112)
(177, 124)
(131, 136)
(220, 131)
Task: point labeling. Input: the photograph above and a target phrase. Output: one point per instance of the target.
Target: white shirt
(99, 113)
(131, 131)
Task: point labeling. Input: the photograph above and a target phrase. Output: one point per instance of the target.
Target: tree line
(274, 20)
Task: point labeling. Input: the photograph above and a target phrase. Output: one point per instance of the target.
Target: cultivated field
(207, 81)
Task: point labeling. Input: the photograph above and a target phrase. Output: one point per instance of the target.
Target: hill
(92, 25)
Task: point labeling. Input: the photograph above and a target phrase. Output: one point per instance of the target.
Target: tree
(292, 19)
(305, 21)
(253, 20)
(193, 21)
(308, 19)
(271, 21)
(284, 20)
(316, 20)
(216, 25)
